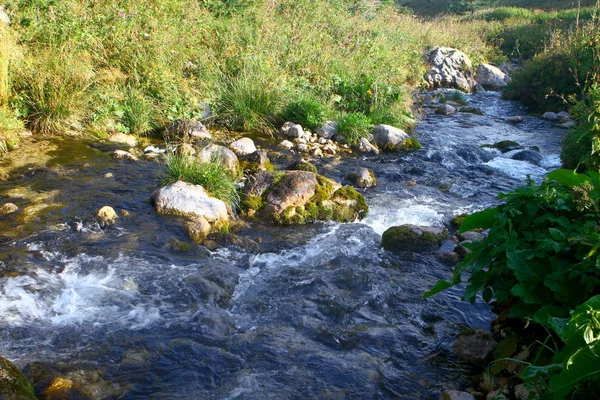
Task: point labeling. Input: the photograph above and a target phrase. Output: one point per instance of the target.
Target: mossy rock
(302, 166)
(13, 384)
(459, 219)
(413, 238)
(504, 146)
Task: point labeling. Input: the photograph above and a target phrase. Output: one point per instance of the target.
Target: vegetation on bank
(112, 66)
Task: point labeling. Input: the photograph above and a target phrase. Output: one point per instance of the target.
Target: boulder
(124, 155)
(456, 395)
(475, 347)
(364, 146)
(187, 130)
(8, 208)
(107, 215)
(471, 236)
(258, 183)
(294, 189)
(184, 199)
(448, 257)
(567, 125)
(413, 238)
(504, 146)
(362, 177)
(243, 146)
(257, 161)
(328, 130)
(450, 68)
(13, 384)
(563, 116)
(121, 138)
(303, 148)
(220, 154)
(445, 109)
(530, 156)
(389, 138)
(517, 119)
(197, 228)
(292, 130)
(491, 77)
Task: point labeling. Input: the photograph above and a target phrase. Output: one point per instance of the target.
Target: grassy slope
(436, 7)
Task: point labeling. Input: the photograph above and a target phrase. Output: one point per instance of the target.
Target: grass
(215, 179)
(112, 65)
(353, 127)
(307, 111)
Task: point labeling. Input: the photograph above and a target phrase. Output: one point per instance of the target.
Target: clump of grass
(138, 113)
(54, 85)
(307, 111)
(354, 126)
(215, 179)
(455, 96)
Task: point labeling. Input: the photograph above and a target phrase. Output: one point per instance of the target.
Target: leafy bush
(217, 181)
(354, 126)
(540, 262)
(307, 111)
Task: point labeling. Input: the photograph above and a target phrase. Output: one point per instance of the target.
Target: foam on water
(420, 210)
(517, 169)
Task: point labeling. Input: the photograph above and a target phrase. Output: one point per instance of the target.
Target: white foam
(517, 169)
(420, 211)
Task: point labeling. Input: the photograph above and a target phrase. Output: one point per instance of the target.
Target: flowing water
(318, 311)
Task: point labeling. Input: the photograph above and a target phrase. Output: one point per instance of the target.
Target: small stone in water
(8, 208)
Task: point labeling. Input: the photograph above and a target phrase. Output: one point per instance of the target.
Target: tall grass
(215, 179)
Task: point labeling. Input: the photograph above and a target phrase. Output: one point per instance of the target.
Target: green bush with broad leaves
(540, 263)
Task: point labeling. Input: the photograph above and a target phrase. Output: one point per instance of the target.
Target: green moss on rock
(504, 146)
(302, 166)
(459, 219)
(413, 238)
(411, 144)
(13, 384)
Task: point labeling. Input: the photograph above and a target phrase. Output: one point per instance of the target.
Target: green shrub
(308, 112)
(217, 181)
(354, 126)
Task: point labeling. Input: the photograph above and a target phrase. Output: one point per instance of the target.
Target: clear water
(310, 312)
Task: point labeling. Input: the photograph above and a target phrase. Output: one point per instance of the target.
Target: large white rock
(490, 76)
(389, 137)
(243, 146)
(181, 198)
(122, 138)
(220, 154)
(450, 68)
(292, 130)
(328, 130)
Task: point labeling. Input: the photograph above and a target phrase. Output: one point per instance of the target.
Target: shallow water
(311, 312)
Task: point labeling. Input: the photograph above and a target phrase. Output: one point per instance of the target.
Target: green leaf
(568, 178)
(533, 371)
(556, 234)
(479, 220)
(440, 286)
(582, 365)
(521, 290)
(487, 294)
(523, 270)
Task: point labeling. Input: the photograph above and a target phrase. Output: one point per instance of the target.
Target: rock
(389, 138)
(121, 138)
(107, 215)
(450, 68)
(183, 199)
(294, 189)
(456, 395)
(186, 130)
(258, 183)
(471, 110)
(303, 148)
(286, 145)
(243, 146)
(362, 177)
(257, 161)
(500, 394)
(475, 347)
(124, 155)
(317, 152)
(300, 140)
(292, 130)
(220, 154)
(13, 384)
(197, 229)
(530, 156)
(8, 208)
(125, 213)
(330, 149)
(413, 238)
(549, 116)
(526, 392)
(505, 146)
(4, 18)
(471, 236)
(567, 125)
(491, 77)
(322, 141)
(445, 109)
(516, 120)
(563, 116)
(328, 130)
(448, 257)
(364, 146)
(461, 249)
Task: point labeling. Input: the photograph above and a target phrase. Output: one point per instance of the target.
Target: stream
(312, 312)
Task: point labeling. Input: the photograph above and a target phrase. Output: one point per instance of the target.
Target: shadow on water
(318, 311)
